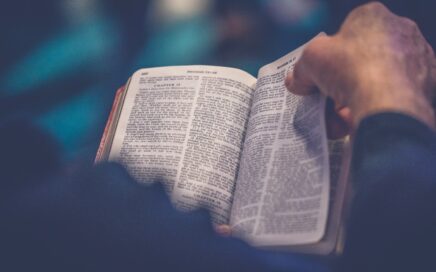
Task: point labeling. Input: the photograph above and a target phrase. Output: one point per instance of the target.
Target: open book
(251, 152)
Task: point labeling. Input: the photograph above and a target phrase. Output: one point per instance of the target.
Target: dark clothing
(102, 220)
(392, 224)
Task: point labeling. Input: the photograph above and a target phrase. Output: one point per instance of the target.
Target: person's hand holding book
(377, 62)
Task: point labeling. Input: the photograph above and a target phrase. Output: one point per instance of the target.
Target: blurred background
(62, 60)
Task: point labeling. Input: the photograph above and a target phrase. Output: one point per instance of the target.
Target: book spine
(103, 142)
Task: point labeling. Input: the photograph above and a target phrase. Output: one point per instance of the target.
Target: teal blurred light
(186, 42)
(81, 49)
(181, 32)
(72, 122)
(63, 54)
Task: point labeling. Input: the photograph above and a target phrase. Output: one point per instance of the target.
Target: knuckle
(375, 6)
(409, 23)
(372, 7)
(430, 51)
(355, 13)
(412, 28)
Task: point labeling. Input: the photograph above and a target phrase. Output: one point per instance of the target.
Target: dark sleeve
(392, 223)
(102, 220)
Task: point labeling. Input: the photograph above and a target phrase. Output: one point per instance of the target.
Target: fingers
(302, 80)
(366, 14)
(338, 121)
(298, 82)
(223, 230)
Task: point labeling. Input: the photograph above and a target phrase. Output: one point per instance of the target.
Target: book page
(185, 126)
(332, 241)
(282, 191)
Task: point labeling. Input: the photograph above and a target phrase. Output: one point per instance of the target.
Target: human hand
(377, 62)
(223, 230)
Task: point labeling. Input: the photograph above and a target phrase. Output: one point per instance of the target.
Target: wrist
(403, 101)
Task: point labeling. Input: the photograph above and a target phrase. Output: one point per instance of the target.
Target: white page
(282, 191)
(185, 125)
